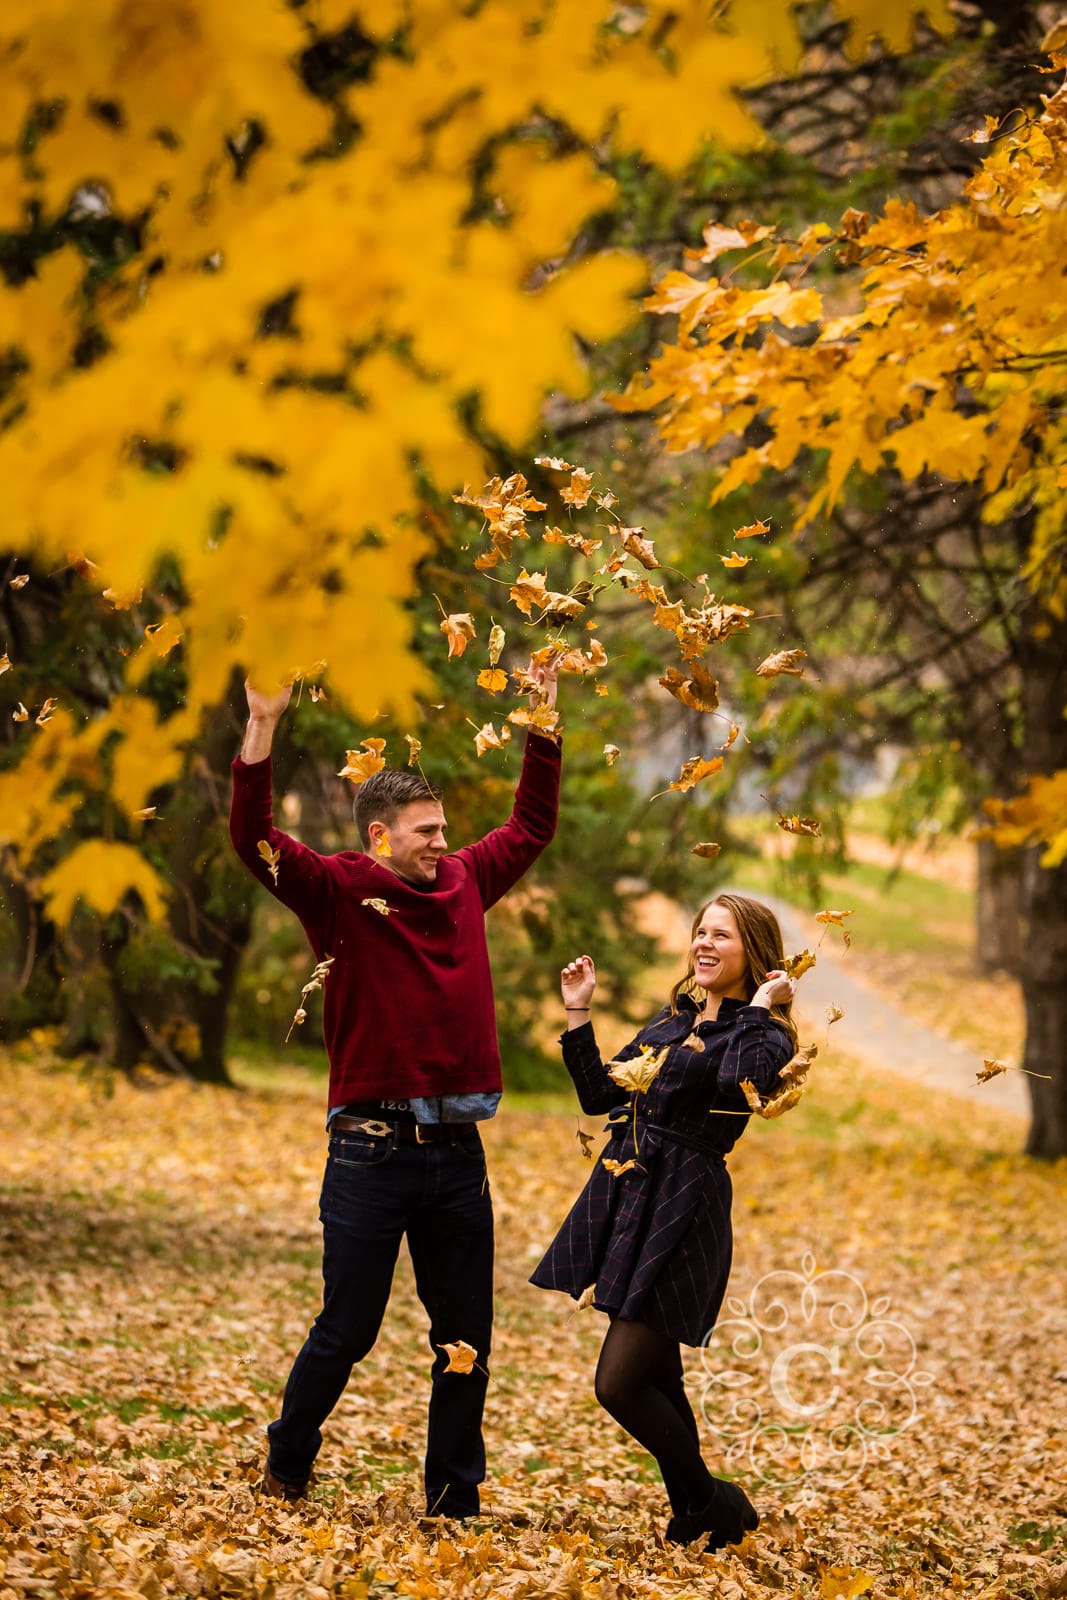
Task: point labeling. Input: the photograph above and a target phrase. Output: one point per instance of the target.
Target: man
(410, 1032)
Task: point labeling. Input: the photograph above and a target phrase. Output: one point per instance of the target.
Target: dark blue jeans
(375, 1190)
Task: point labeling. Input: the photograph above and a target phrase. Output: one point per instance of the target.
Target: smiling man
(410, 1031)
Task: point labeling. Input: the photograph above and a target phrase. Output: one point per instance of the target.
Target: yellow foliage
(1037, 817)
(402, 281)
(101, 874)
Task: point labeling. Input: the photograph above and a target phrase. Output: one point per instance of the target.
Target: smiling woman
(649, 1239)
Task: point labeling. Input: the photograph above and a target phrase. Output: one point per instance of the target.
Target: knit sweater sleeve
(498, 861)
(305, 879)
(758, 1048)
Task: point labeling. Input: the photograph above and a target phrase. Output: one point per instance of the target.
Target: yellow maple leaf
(753, 530)
(45, 713)
(554, 463)
(700, 691)
(577, 492)
(493, 678)
(487, 738)
(836, 919)
(383, 847)
(796, 966)
(271, 857)
(414, 749)
(20, 714)
(102, 873)
(618, 1169)
(376, 903)
(528, 590)
(462, 1357)
(782, 661)
(694, 771)
(359, 766)
(544, 718)
(809, 826)
(639, 1072)
(458, 628)
(636, 545)
(844, 1583)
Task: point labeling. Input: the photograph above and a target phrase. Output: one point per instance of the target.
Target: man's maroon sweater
(408, 1004)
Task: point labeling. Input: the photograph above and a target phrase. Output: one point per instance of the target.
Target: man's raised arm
(264, 714)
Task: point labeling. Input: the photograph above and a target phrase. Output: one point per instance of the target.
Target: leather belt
(404, 1132)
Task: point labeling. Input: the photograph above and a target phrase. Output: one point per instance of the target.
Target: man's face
(417, 840)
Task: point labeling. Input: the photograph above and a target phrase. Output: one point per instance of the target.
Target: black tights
(639, 1382)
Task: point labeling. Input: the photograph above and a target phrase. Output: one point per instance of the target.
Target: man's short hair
(380, 797)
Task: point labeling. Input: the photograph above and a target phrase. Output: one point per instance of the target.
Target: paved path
(877, 1031)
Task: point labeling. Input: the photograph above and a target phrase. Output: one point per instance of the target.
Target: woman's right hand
(577, 982)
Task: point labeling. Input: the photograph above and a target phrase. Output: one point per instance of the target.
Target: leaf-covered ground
(159, 1265)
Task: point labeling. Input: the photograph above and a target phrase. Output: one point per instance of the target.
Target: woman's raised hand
(577, 982)
(777, 989)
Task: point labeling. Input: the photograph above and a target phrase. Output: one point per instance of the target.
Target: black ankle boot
(727, 1517)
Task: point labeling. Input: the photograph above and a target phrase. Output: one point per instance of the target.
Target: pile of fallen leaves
(159, 1266)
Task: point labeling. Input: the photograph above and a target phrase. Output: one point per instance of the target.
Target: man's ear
(374, 833)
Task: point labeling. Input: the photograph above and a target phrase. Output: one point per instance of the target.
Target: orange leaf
(458, 629)
(359, 767)
(706, 852)
(700, 691)
(493, 678)
(783, 661)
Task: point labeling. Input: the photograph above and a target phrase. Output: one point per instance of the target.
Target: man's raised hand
(267, 707)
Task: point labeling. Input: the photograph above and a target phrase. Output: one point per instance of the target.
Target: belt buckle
(377, 1130)
(418, 1133)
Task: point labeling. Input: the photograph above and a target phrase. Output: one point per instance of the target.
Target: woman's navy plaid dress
(657, 1240)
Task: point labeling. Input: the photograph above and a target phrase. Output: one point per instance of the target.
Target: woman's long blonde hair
(761, 940)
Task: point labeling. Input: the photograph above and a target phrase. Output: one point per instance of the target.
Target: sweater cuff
(252, 767)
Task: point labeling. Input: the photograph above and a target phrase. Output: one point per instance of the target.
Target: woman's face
(717, 954)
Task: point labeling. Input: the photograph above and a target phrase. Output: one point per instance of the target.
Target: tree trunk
(999, 928)
(1044, 978)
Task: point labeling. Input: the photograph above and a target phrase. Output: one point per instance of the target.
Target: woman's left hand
(776, 990)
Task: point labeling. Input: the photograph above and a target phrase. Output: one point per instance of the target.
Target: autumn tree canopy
(268, 274)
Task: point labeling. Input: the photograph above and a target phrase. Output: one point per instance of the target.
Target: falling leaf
(694, 1042)
(377, 904)
(836, 919)
(359, 767)
(806, 825)
(719, 236)
(734, 560)
(544, 718)
(796, 966)
(991, 1069)
(639, 1072)
(554, 463)
(611, 754)
(601, 688)
(586, 1141)
(45, 713)
(5, 662)
(606, 500)
(271, 857)
(575, 540)
(576, 493)
(147, 814)
(568, 606)
(753, 530)
(496, 643)
(782, 661)
(316, 693)
(383, 847)
(487, 738)
(700, 691)
(414, 749)
(461, 1356)
(735, 729)
(528, 591)
(617, 1168)
(458, 628)
(20, 582)
(706, 852)
(21, 714)
(639, 547)
(318, 977)
(833, 1014)
(694, 771)
(493, 678)
(586, 1298)
(793, 1082)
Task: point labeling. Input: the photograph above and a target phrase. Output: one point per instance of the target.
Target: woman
(655, 1238)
